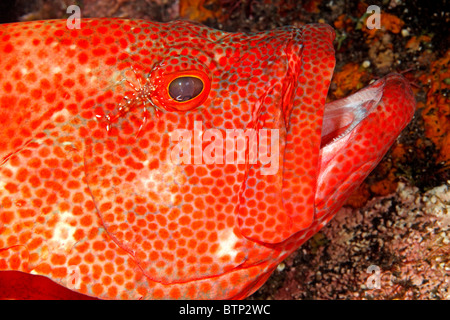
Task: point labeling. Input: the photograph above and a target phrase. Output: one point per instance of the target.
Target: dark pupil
(185, 88)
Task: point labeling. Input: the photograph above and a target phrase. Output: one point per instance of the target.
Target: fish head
(174, 160)
(225, 154)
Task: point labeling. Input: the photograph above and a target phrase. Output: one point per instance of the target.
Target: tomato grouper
(143, 160)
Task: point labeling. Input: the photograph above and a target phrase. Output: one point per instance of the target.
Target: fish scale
(90, 195)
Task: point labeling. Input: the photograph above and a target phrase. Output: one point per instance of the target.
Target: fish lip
(388, 106)
(351, 110)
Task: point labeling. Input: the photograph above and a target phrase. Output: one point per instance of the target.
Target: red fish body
(92, 199)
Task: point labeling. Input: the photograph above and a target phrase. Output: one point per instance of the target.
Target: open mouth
(342, 117)
(357, 131)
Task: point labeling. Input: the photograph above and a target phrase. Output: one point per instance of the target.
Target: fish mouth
(390, 97)
(341, 117)
(357, 131)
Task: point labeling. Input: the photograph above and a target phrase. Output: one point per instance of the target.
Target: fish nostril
(185, 88)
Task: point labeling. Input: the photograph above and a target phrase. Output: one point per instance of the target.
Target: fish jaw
(357, 132)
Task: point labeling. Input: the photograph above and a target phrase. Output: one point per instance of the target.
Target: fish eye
(180, 90)
(185, 88)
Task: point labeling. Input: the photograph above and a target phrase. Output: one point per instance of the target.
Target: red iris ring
(167, 102)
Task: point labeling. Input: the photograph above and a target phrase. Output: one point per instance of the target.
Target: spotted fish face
(147, 160)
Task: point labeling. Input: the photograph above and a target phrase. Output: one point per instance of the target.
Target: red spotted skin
(88, 196)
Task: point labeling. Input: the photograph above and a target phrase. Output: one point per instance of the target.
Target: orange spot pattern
(88, 194)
